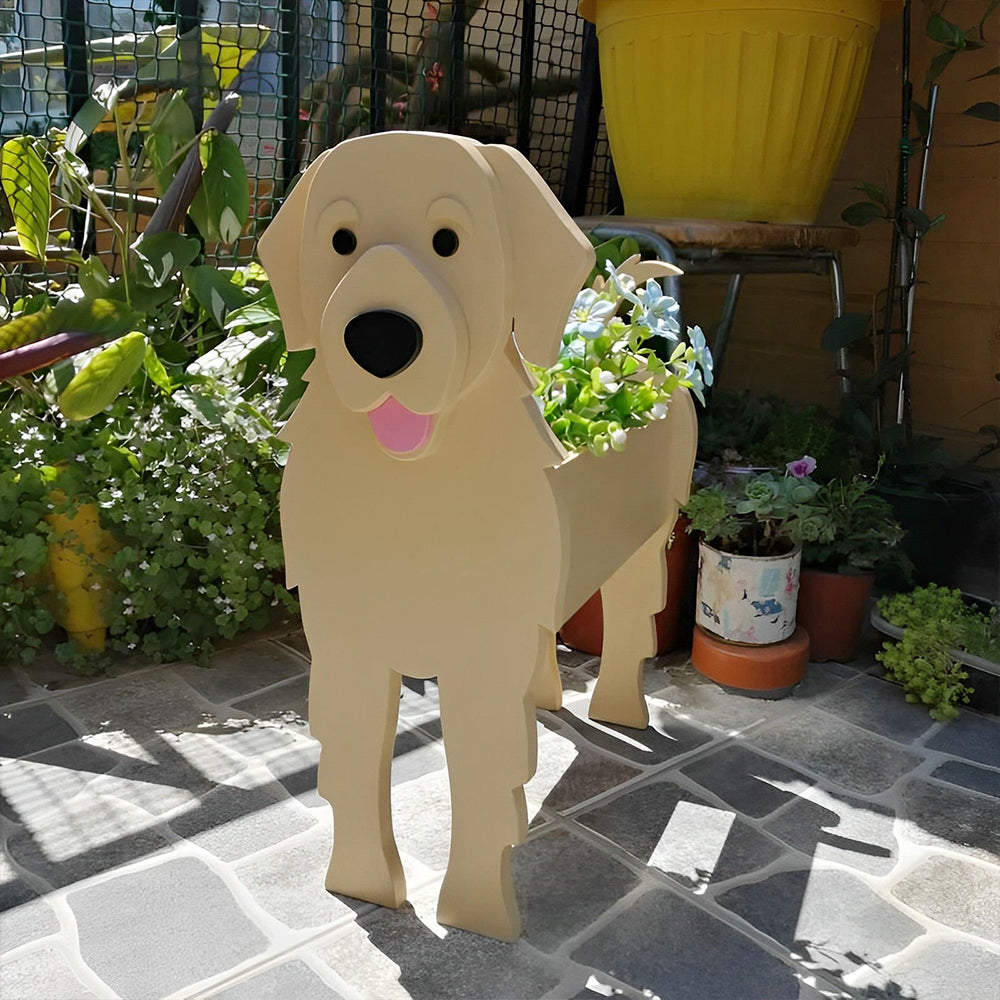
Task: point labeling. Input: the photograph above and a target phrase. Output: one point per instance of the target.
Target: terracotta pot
(758, 671)
(585, 629)
(747, 599)
(832, 609)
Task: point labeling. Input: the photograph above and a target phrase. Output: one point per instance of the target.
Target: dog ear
(550, 256)
(280, 252)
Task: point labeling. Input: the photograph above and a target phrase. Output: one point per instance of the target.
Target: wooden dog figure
(431, 521)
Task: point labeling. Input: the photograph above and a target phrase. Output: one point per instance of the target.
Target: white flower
(589, 314)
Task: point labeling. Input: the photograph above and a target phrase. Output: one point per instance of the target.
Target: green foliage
(936, 621)
(766, 515)
(864, 536)
(26, 184)
(188, 485)
(743, 428)
(605, 380)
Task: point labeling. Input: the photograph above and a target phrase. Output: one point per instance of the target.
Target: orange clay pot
(759, 671)
(585, 629)
(832, 609)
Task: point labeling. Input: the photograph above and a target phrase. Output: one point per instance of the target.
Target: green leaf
(94, 278)
(260, 312)
(101, 317)
(922, 118)
(172, 128)
(921, 220)
(97, 385)
(214, 292)
(25, 182)
(164, 254)
(222, 205)
(156, 372)
(862, 212)
(993, 71)
(294, 371)
(845, 330)
(986, 110)
(939, 29)
(937, 66)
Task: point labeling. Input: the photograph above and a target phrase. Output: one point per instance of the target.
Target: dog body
(433, 524)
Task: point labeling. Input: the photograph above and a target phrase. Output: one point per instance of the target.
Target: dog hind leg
(631, 597)
(353, 709)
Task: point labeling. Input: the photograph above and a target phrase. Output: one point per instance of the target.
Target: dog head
(407, 259)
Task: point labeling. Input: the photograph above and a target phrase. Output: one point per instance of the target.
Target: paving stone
(287, 705)
(958, 893)
(824, 916)
(140, 704)
(296, 640)
(14, 891)
(566, 656)
(976, 778)
(289, 882)
(669, 828)
(27, 922)
(24, 731)
(85, 836)
(235, 673)
(751, 784)
(839, 751)
(840, 829)
(880, 707)
(293, 979)
(973, 737)
(666, 738)
(41, 974)
(948, 817)
(687, 693)
(48, 778)
(945, 970)
(145, 932)
(11, 688)
(233, 822)
(669, 947)
(563, 885)
(296, 770)
(393, 955)
(421, 818)
(568, 774)
(420, 702)
(252, 739)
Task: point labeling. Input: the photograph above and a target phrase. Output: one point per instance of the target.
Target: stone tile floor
(162, 837)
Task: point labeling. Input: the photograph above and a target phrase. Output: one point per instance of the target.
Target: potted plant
(939, 638)
(728, 74)
(608, 379)
(838, 569)
(750, 553)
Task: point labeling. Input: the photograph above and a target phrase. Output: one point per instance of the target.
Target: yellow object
(79, 548)
(730, 109)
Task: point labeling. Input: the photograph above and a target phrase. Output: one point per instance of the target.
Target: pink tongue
(398, 429)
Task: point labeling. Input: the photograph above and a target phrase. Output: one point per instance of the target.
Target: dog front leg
(491, 746)
(353, 707)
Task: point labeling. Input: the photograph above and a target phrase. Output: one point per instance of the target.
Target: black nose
(383, 342)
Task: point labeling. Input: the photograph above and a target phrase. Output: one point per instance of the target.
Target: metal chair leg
(837, 287)
(721, 338)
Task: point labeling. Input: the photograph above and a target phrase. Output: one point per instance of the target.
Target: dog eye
(445, 242)
(344, 242)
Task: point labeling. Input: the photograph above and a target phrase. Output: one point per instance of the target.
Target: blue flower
(622, 284)
(589, 314)
(659, 311)
(701, 352)
(692, 375)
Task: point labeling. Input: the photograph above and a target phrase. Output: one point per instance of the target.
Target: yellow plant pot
(79, 549)
(730, 109)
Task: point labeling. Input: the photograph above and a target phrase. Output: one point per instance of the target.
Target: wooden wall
(956, 341)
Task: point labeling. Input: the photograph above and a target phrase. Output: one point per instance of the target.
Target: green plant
(187, 482)
(763, 429)
(606, 381)
(937, 621)
(767, 514)
(863, 533)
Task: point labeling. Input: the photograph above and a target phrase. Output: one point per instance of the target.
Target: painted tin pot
(747, 599)
(743, 106)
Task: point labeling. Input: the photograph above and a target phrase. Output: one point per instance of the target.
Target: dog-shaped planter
(432, 523)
